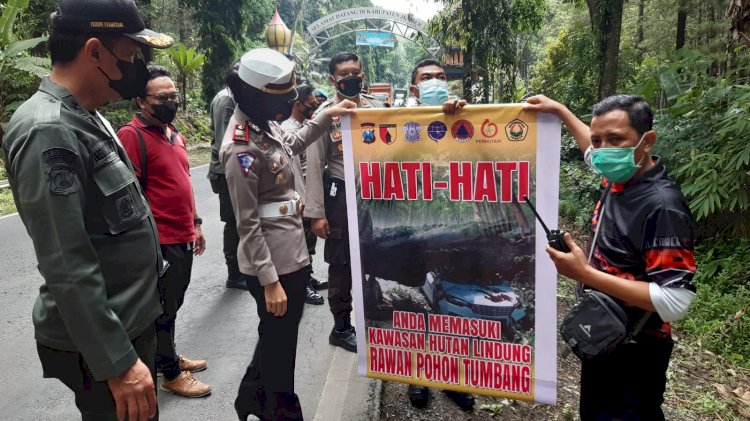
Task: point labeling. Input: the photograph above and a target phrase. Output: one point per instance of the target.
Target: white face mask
(433, 91)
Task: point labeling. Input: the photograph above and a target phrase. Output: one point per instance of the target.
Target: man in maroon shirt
(159, 155)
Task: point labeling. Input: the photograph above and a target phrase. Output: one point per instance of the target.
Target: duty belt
(292, 207)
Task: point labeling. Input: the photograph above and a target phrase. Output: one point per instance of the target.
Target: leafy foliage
(226, 29)
(15, 62)
(187, 61)
(720, 314)
(579, 191)
(488, 31)
(565, 72)
(704, 138)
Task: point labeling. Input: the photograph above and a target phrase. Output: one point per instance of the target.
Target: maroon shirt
(168, 187)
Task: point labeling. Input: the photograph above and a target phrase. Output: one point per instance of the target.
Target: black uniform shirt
(647, 233)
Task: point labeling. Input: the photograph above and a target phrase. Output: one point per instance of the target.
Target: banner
(376, 39)
(451, 283)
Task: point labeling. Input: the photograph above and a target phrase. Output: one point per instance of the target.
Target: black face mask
(164, 112)
(261, 107)
(349, 86)
(307, 111)
(134, 77)
(276, 109)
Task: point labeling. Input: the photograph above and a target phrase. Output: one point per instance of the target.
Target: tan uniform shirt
(329, 151)
(300, 160)
(258, 169)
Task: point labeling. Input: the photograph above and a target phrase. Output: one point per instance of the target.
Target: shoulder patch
(246, 162)
(63, 181)
(60, 166)
(59, 156)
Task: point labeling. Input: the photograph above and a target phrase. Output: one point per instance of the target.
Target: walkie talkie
(555, 238)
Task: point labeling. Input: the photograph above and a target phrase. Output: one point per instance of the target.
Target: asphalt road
(215, 323)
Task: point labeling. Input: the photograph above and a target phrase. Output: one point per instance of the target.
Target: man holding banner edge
(643, 256)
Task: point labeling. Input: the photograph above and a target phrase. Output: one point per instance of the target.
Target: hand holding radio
(555, 238)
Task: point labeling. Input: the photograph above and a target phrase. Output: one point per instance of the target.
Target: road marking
(8, 216)
(199, 167)
(333, 398)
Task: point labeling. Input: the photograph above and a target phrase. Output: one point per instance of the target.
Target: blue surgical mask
(433, 91)
(616, 164)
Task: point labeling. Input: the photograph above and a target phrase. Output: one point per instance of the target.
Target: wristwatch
(197, 221)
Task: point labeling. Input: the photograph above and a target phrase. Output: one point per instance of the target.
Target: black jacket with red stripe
(647, 234)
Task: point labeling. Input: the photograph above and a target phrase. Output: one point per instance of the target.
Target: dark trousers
(627, 385)
(267, 389)
(172, 287)
(231, 237)
(93, 398)
(336, 254)
(310, 238)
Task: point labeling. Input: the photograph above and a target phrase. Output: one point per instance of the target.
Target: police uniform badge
(241, 133)
(340, 147)
(335, 130)
(246, 162)
(411, 132)
(368, 133)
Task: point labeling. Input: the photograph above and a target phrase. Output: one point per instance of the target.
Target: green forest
(690, 59)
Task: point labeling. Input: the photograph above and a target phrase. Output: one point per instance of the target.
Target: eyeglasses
(173, 97)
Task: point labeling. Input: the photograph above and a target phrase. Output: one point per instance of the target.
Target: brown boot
(192, 365)
(186, 385)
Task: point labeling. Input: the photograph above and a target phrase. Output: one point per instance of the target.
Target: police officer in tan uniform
(257, 159)
(326, 199)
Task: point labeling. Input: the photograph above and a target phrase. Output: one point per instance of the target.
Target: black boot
(312, 296)
(345, 337)
(419, 396)
(318, 285)
(464, 401)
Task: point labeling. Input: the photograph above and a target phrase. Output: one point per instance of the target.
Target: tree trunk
(184, 82)
(681, 24)
(606, 23)
(639, 32)
(468, 54)
(145, 6)
(182, 25)
(468, 61)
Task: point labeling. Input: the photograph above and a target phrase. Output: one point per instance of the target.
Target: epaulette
(372, 100)
(241, 133)
(48, 113)
(326, 103)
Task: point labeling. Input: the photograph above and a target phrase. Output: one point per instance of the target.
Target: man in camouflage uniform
(93, 234)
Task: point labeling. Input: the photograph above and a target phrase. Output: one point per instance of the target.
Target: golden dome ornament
(278, 35)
